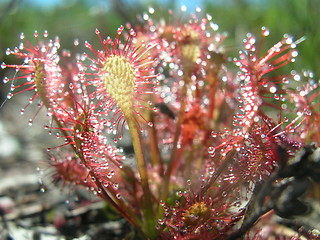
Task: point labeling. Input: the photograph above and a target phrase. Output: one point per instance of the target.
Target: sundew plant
(220, 144)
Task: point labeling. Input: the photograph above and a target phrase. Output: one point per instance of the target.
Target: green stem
(149, 216)
(154, 147)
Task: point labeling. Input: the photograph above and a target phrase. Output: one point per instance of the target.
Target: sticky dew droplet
(132, 32)
(247, 45)
(5, 80)
(265, 31)
(162, 203)
(8, 51)
(214, 134)
(211, 150)
(22, 36)
(161, 221)
(87, 45)
(120, 29)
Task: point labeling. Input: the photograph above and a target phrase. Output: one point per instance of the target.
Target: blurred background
(70, 19)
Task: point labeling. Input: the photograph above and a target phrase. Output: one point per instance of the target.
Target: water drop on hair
(213, 134)
(265, 31)
(161, 221)
(5, 80)
(179, 194)
(120, 29)
(132, 32)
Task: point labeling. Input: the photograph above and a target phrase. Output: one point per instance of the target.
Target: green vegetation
(79, 18)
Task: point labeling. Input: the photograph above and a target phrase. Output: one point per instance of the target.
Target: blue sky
(190, 4)
(44, 3)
